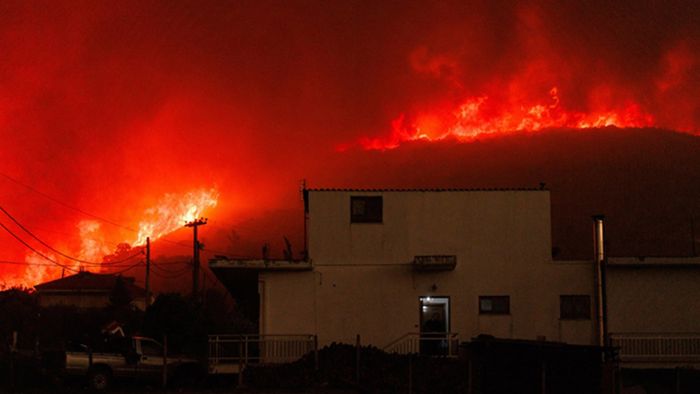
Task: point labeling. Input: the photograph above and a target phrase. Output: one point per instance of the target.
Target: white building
(390, 264)
(382, 263)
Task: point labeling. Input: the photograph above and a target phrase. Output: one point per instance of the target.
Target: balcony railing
(426, 343)
(232, 353)
(657, 348)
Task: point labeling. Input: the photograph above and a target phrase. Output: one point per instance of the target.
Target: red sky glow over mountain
(124, 120)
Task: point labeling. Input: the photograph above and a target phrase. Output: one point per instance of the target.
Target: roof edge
(381, 190)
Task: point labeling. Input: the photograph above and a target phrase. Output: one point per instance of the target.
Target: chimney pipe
(599, 259)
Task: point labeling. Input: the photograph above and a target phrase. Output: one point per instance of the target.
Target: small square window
(494, 305)
(575, 307)
(366, 209)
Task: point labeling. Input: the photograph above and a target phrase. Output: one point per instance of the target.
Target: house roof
(88, 281)
(520, 189)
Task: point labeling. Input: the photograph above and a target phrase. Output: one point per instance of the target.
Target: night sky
(109, 109)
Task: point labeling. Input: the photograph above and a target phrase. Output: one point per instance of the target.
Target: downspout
(305, 197)
(599, 259)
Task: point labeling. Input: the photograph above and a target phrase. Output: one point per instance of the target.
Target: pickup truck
(134, 357)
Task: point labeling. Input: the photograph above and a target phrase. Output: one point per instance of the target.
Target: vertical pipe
(410, 373)
(316, 364)
(358, 349)
(165, 361)
(598, 261)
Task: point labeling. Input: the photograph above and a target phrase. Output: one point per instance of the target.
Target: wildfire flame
(480, 116)
(170, 213)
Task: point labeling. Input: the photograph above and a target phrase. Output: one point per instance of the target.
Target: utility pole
(195, 260)
(148, 271)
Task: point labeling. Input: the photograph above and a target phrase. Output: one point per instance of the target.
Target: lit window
(494, 305)
(575, 307)
(366, 209)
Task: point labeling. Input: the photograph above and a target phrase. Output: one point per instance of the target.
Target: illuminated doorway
(434, 325)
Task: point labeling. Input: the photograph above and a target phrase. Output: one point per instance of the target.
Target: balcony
(435, 263)
(657, 350)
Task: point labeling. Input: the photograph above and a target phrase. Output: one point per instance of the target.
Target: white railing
(237, 351)
(426, 343)
(657, 347)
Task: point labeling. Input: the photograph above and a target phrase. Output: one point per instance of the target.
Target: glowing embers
(482, 116)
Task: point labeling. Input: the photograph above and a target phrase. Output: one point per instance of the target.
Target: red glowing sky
(108, 107)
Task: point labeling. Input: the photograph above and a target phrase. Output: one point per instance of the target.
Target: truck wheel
(99, 379)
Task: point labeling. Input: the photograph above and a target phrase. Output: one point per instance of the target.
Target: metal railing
(657, 347)
(240, 350)
(426, 343)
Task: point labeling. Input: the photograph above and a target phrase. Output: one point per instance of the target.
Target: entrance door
(434, 325)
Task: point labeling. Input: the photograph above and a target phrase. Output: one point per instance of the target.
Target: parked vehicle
(134, 357)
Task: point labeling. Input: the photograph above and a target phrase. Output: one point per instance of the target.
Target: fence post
(13, 354)
(165, 361)
(358, 348)
(316, 366)
(410, 373)
(240, 361)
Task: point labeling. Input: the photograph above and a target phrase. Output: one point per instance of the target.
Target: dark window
(149, 348)
(575, 307)
(494, 305)
(366, 209)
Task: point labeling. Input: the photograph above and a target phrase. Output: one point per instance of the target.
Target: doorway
(434, 324)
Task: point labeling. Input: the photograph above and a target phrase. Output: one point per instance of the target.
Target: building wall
(363, 281)
(77, 300)
(83, 301)
(658, 299)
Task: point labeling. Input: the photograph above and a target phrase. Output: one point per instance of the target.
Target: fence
(231, 353)
(426, 343)
(657, 347)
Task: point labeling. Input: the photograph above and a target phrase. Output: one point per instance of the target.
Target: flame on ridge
(480, 117)
(170, 213)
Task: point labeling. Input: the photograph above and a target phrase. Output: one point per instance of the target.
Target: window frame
(376, 214)
(573, 307)
(496, 312)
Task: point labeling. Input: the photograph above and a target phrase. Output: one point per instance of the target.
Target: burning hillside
(43, 262)
(106, 108)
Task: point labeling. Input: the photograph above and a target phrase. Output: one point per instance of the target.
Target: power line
(59, 202)
(160, 268)
(36, 251)
(113, 223)
(15, 262)
(125, 269)
(58, 251)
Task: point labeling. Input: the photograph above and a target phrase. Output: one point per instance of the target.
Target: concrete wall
(363, 281)
(653, 299)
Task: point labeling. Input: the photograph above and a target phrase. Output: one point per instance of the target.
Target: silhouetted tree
(19, 311)
(120, 297)
(177, 317)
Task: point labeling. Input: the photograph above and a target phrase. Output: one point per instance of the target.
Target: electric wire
(158, 267)
(64, 204)
(170, 275)
(173, 272)
(108, 221)
(61, 253)
(15, 262)
(126, 269)
(36, 251)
